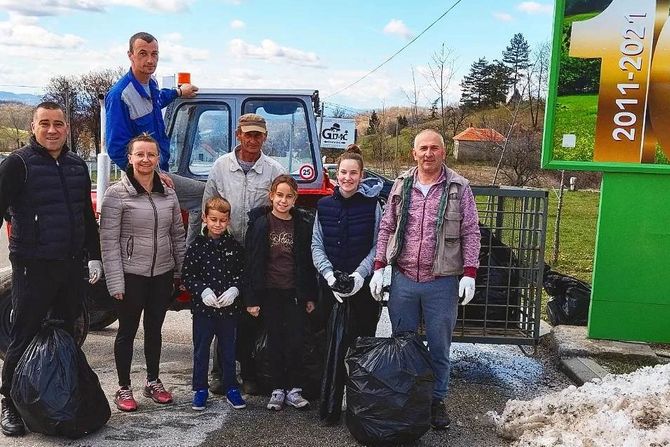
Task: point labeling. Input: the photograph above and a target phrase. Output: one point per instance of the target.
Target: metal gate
(506, 307)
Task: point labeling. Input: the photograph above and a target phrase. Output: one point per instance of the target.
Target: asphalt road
(483, 378)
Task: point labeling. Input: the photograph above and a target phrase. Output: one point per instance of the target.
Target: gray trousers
(189, 192)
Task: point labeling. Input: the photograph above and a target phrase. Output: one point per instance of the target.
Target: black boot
(439, 419)
(11, 422)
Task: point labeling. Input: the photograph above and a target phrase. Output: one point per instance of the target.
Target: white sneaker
(276, 402)
(295, 399)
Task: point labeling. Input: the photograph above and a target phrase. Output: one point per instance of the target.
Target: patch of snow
(628, 410)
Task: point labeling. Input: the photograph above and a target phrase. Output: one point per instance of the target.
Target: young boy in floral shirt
(212, 272)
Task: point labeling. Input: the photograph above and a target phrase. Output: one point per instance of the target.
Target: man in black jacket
(47, 191)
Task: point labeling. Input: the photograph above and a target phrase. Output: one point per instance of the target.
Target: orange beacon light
(183, 78)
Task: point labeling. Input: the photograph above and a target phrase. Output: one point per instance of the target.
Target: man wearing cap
(243, 177)
(133, 106)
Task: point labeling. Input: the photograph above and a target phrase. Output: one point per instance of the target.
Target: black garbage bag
(343, 282)
(497, 297)
(570, 299)
(54, 388)
(334, 372)
(261, 358)
(389, 389)
(313, 354)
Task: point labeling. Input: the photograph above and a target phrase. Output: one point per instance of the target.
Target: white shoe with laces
(294, 398)
(277, 398)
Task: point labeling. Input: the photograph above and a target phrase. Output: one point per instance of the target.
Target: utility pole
(68, 117)
(557, 225)
(397, 137)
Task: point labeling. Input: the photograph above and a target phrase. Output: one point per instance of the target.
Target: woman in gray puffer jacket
(143, 245)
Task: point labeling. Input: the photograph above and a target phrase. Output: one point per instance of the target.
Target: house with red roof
(478, 144)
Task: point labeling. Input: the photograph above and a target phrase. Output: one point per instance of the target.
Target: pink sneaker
(156, 391)
(124, 399)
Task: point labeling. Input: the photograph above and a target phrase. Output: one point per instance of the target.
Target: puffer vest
(48, 216)
(447, 255)
(348, 226)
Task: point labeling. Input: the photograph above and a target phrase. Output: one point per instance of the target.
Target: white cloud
(172, 51)
(24, 32)
(245, 74)
(50, 8)
(503, 16)
(398, 28)
(154, 5)
(271, 51)
(535, 8)
(237, 24)
(38, 8)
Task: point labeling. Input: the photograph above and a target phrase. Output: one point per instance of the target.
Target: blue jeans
(204, 329)
(438, 300)
(189, 192)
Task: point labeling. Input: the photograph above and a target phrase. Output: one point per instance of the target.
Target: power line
(397, 52)
(332, 105)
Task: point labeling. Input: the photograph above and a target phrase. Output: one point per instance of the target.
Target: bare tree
(79, 97)
(91, 86)
(521, 157)
(537, 82)
(14, 125)
(64, 90)
(456, 116)
(439, 76)
(413, 99)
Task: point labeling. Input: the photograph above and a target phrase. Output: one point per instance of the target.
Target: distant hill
(25, 98)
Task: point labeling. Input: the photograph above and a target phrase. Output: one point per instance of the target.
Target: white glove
(466, 286)
(358, 283)
(338, 296)
(376, 284)
(330, 278)
(228, 297)
(94, 271)
(209, 298)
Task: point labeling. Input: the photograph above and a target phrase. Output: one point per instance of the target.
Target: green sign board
(609, 90)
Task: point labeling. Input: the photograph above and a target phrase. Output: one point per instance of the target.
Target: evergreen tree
(499, 81)
(402, 121)
(517, 58)
(373, 124)
(474, 85)
(433, 110)
(485, 85)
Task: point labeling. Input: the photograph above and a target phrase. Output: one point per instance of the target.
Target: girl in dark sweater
(280, 285)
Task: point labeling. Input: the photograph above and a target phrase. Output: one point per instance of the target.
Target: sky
(267, 43)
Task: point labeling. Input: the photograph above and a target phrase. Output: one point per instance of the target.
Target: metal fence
(506, 306)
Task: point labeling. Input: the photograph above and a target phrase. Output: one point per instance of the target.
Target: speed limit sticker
(306, 171)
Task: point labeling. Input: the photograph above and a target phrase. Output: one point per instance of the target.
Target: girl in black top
(280, 281)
